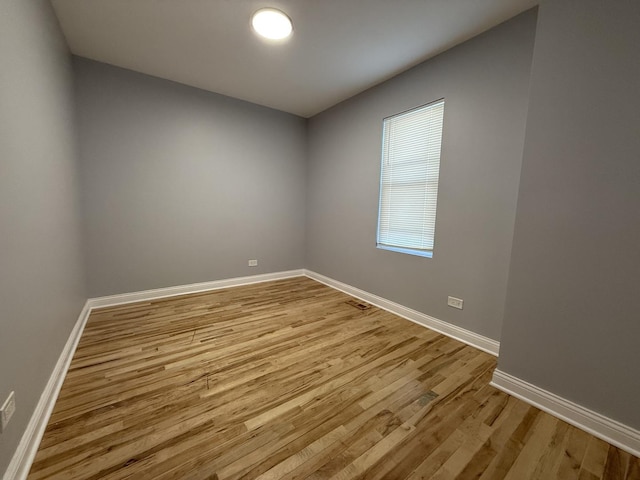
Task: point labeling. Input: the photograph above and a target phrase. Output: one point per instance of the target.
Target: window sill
(408, 251)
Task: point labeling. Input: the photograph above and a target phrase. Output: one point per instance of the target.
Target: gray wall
(41, 278)
(182, 185)
(572, 319)
(485, 84)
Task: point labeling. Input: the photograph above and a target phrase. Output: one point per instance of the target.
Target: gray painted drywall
(180, 185)
(41, 274)
(485, 85)
(572, 320)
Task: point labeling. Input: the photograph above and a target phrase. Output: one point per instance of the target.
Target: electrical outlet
(7, 411)
(253, 263)
(455, 302)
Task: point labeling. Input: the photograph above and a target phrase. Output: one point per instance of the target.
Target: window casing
(411, 147)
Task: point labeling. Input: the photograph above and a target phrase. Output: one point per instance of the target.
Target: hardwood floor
(286, 380)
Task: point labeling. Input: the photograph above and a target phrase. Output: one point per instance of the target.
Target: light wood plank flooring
(285, 380)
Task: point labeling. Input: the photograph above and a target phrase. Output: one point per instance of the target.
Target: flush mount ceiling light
(271, 24)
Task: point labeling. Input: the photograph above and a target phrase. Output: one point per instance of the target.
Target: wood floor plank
(573, 449)
(286, 380)
(633, 470)
(595, 458)
(616, 464)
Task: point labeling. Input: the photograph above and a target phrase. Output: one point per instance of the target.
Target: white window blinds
(409, 179)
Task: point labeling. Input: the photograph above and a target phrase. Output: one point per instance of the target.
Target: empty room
(306, 239)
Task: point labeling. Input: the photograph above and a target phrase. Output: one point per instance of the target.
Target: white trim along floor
(602, 427)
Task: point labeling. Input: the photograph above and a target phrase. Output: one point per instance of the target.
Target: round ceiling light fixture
(271, 24)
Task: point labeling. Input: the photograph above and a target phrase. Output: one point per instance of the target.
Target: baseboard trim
(611, 431)
(466, 336)
(155, 294)
(20, 464)
(24, 455)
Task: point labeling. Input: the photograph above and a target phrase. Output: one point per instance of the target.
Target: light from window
(411, 144)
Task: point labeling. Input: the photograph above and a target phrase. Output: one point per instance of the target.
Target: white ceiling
(338, 48)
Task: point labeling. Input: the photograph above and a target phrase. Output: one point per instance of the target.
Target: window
(411, 143)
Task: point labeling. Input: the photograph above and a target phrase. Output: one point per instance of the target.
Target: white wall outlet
(455, 302)
(7, 411)
(253, 263)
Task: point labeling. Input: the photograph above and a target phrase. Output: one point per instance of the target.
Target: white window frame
(409, 177)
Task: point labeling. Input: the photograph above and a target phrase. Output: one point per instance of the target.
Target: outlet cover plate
(455, 302)
(253, 263)
(7, 410)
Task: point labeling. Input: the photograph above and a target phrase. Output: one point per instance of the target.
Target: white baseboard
(146, 295)
(602, 427)
(25, 453)
(611, 431)
(466, 336)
